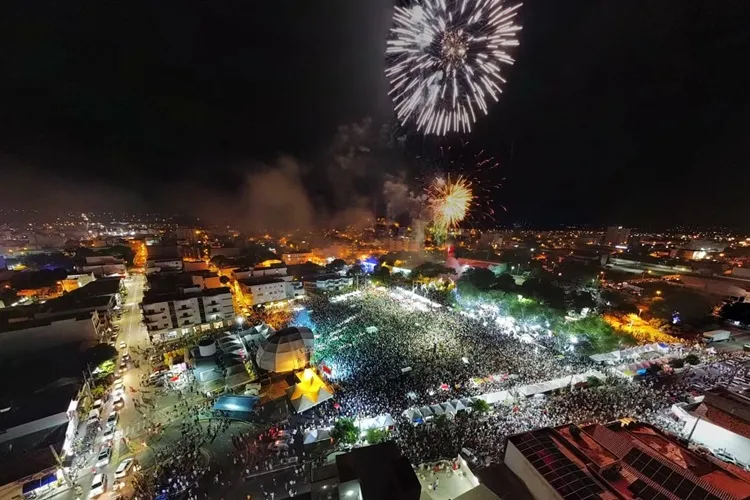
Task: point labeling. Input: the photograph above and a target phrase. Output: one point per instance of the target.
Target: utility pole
(690, 436)
(59, 461)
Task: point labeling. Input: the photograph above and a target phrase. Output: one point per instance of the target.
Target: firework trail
(445, 58)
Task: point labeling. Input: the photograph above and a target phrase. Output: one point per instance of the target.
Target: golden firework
(449, 200)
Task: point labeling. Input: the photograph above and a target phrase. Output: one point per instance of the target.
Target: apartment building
(187, 311)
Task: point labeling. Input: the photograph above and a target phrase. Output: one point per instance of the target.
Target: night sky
(628, 112)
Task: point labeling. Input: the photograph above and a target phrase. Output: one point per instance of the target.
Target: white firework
(445, 58)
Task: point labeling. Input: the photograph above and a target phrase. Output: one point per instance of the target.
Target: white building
(187, 312)
(265, 289)
(157, 265)
(242, 273)
(327, 283)
(296, 258)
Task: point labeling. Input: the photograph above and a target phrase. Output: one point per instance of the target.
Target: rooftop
(630, 460)
(154, 298)
(322, 277)
(36, 404)
(30, 454)
(37, 322)
(201, 272)
(381, 470)
(260, 280)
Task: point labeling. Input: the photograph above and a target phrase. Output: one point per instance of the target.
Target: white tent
(437, 410)
(448, 408)
(413, 414)
(458, 405)
(425, 411)
(496, 397)
(315, 435)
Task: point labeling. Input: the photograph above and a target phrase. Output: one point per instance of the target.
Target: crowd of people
(387, 355)
(416, 356)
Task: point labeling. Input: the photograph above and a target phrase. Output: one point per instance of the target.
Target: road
(130, 423)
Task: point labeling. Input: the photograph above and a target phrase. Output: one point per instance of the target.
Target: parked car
(109, 433)
(123, 345)
(119, 403)
(124, 468)
(112, 419)
(98, 485)
(104, 457)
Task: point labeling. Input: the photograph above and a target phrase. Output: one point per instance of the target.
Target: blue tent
(34, 485)
(236, 403)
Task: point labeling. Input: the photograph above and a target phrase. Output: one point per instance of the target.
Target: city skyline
(595, 125)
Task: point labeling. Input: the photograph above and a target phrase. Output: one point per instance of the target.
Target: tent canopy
(235, 403)
(309, 391)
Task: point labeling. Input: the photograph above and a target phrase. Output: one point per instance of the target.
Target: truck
(716, 336)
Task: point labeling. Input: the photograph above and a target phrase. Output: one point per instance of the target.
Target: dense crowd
(450, 355)
(484, 435)
(421, 355)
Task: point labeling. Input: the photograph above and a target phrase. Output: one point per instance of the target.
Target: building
(75, 281)
(37, 425)
(26, 336)
(265, 289)
(374, 472)
(187, 234)
(300, 257)
(330, 282)
(194, 265)
(184, 312)
(720, 421)
(616, 236)
(620, 460)
(167, 264)
(84, 314)
(255, 272)
(228, 252)
(205, 279)
(102, 265)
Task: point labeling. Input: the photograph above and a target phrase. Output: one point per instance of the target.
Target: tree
(344, 431)
(382, 273)
(219, 261)
(224, 280)
(98, 354)
(692, 359)
(544, 291)
(480, 278)
(480, 406)
(581, 300)
(355, 270)
(336, 265)
(375, 436)
(431, 270)
(676, 363)
(441, 421)
(506, 283)
(691, 306)
(654, 369)
(592, 381)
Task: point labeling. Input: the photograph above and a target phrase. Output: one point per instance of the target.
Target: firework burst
(449, 201)
(445, 58)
